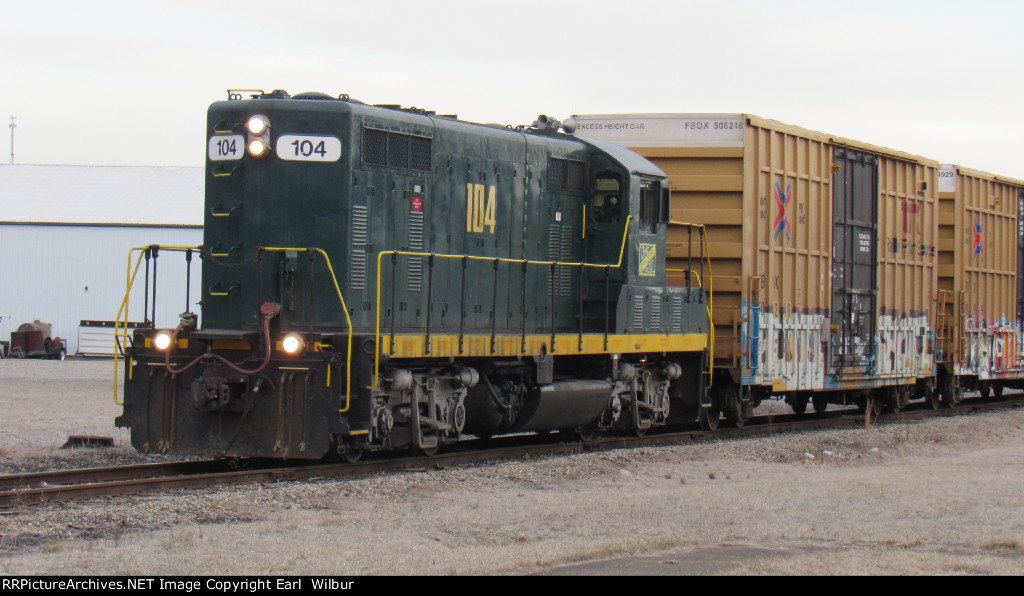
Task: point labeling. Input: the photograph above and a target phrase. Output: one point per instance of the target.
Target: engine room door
(854, 259)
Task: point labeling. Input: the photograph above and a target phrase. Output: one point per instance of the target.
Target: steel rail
(42, 487)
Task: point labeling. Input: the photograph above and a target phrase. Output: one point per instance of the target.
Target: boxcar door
(854, 259)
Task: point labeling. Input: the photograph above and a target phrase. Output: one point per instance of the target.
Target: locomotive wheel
(427, 451)
(351, 455)
(709, 417)
(584, 433)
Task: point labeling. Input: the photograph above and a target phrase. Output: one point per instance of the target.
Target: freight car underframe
(879, 397)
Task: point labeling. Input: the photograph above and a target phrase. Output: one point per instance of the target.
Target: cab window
(649, 197)
(607, 202)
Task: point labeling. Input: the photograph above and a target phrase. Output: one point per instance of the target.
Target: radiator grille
(397, 150)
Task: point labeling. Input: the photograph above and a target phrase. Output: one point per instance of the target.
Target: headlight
(162, 341)
(257, 148)
(258, 125)
(292, 343)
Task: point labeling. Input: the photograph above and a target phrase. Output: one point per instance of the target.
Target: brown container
(27, 342)
(979, 301)
(823, 249)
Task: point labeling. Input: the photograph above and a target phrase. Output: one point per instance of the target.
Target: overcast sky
(111, 82)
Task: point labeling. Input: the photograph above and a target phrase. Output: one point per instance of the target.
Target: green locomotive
(383, 278)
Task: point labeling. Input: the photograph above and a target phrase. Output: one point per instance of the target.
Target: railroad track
(18, 490)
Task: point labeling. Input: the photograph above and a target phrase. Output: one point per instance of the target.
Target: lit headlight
(257, 148)
(162, 341)
(258, 125)
(292, 343)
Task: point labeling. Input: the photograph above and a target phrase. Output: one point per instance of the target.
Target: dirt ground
(937, 497)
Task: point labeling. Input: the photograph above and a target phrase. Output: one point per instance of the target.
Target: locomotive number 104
(481, 205)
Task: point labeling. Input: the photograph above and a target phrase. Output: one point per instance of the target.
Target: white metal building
(65, 235)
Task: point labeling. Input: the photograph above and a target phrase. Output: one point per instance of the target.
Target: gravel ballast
(940, 496)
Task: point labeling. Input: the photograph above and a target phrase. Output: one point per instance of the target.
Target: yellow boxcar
(979, 302)
(823, 249)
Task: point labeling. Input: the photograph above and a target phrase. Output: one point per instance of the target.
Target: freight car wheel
(931, 397)
(709, 417)
(997, 390)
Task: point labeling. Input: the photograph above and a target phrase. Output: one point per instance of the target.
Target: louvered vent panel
(655, 313)
(560, 250)
(357, 270)
(677, 313)
(638, 311)
(565, 273)
(415, 276)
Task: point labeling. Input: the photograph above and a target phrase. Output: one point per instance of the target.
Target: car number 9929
(308, 148)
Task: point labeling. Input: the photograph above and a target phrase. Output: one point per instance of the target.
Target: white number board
(308, 148)
(226, 147)
(947, 179)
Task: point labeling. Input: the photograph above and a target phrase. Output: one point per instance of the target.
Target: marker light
(292, 343)
(257, 148)
(162, 341)
(258, 125)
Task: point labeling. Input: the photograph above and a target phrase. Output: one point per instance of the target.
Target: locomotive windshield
(607, 200)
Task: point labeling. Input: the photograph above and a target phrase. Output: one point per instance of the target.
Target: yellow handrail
(129, 282)
(380, 255)
(710, 293)
(348, 319)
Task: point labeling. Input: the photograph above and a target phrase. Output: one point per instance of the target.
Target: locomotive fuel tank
(558, 405)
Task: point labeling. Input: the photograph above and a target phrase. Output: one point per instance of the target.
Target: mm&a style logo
(782, 220)
(978, 249)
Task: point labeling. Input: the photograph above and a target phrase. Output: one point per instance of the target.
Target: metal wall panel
(64, 274)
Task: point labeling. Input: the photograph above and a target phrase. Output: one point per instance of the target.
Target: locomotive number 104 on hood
(481, 204)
